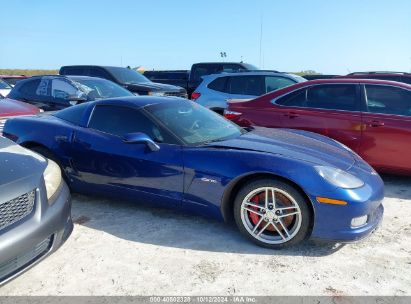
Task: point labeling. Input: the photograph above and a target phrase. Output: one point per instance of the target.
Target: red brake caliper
(255, 217)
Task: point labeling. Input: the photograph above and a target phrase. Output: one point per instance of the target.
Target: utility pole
(261, 40)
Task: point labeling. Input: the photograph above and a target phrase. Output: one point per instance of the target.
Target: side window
(119, 121)
(388, 100)
(96, 72)
(61, 89)
(201, 71)
(28, 88)
(333, 97)
(294, 99)
(246, 85)
(274, 83)
(218, 84)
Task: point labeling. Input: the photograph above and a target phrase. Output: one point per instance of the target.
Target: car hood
(17, 163)
(302, 145)
(11, 107)
(153, 86)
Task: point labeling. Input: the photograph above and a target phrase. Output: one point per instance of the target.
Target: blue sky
(322, 35)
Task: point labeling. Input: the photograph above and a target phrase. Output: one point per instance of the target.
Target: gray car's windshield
(100, 88)
(124, 75)
(194, 124)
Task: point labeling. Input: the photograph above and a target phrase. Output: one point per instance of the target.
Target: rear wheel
(272, 213)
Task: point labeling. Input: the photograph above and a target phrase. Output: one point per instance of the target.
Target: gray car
(217, 89)
(35, 209)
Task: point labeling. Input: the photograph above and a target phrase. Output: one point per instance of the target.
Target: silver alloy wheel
(276, 220)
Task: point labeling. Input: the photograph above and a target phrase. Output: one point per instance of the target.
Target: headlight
(156, 93)
(52, 178)
(339, 177)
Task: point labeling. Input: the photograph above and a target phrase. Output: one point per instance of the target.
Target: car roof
(357, 80)
(73, 77)
(250, 73)
(380, 73)
(219, 62)
(13, 76)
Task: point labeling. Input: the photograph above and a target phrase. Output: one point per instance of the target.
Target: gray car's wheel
(272, 213)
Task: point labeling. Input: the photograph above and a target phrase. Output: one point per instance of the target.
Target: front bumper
(28, 242)
(333, 222)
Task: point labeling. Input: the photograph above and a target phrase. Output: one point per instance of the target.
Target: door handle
(291, 115)
(376, 123)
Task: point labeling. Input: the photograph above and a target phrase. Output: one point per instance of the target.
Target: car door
(105, 162)
(332, 110)
(387, 127)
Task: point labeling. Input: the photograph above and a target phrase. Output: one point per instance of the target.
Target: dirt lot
(118, 248)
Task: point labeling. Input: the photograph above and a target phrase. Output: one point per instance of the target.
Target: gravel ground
(118, 248)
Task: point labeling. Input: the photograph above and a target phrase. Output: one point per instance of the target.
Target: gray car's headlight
(339, 178)
(156, 93)
(52, 178)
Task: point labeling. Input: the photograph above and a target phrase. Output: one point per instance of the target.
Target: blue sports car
(280, 186)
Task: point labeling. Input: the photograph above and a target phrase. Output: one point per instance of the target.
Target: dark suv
(393, 76)
(130, 79)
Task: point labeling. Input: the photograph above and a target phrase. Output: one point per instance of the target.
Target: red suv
(10, 108)
(372, 117)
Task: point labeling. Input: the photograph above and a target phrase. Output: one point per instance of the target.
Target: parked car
(130, 79)
(35, 216)
(12, 79)
(11, 108)
(198, 70)
(217, 89)
(55, 92)
(280, 186)
(174, 77)
(5, 88)
(372, 117)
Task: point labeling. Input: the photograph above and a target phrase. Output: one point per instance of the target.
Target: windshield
(4, 85)
(125, 75)
(194, 124)
(100, 88)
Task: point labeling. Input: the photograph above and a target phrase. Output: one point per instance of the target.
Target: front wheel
(272, 213)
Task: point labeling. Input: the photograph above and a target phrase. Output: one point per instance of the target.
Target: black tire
(304, 218)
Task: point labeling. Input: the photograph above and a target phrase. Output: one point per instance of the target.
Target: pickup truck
(192, 78)
(130, 79)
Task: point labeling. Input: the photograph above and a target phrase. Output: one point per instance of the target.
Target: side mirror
(141, 138)
(75, 99)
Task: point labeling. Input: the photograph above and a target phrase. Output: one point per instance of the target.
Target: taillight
(231, 114)
(195, 95)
